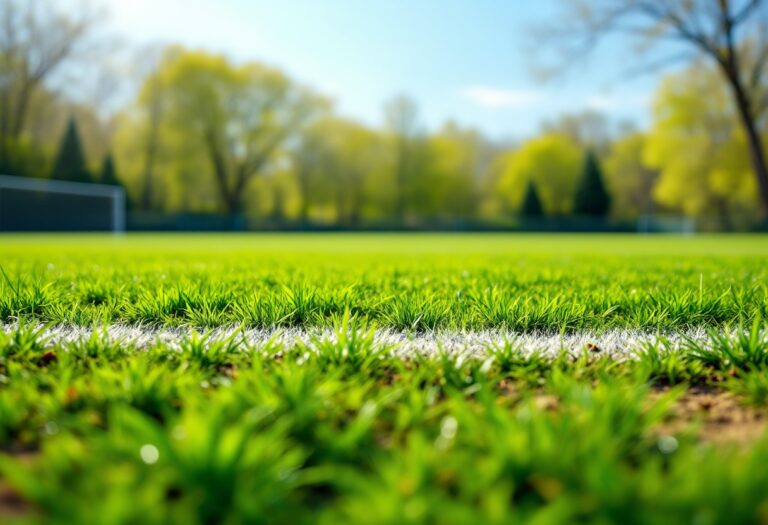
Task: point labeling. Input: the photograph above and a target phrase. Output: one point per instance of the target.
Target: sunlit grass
(339, 427)
(405, 282)
(343, 430)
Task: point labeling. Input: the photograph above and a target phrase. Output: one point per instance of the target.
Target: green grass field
(340, 428)
(406, 282)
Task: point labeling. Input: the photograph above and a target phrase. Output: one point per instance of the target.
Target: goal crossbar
(85, 189)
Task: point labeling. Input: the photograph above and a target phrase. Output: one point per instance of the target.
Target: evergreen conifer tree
(70, 161)
(108, 175)
(592, 197)
(531, 202)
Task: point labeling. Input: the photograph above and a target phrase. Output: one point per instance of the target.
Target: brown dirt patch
(722, 416)
(12, 504)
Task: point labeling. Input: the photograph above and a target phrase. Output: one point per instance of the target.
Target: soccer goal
(29, 204)
(666, 224)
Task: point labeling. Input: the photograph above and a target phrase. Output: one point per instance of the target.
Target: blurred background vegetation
(202, 133)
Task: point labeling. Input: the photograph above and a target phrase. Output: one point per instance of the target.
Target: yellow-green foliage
(630, 181)
(698, 147)
(553, 162)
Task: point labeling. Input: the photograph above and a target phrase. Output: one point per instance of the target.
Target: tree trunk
(22, 105)
(278, 208)
(401, 183)
(724, 215)
(149, 163)
(5, 163)
(341, 216)
(5, 109)
(229, 198)
(356, 200)
(150, 154)
(304, 211)
(759, 166)
(12, 124)
(234, 204)
(237, 192)
(757, 157)
(754, 142)
(304, 196)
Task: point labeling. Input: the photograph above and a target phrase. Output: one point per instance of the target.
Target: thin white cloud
(189, 22)
(601, 102)
(499, 98)
(611, 102)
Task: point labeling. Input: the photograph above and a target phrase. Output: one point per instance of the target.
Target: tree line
(206, 134)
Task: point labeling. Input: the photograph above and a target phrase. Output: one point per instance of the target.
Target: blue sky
(459, 59)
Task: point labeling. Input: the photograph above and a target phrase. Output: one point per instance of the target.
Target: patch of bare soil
(12, 505)
(722, 417)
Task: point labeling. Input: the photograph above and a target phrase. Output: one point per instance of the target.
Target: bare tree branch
(711, 27)
(36, 40)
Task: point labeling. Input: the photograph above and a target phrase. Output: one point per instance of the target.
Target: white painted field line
(615, 343)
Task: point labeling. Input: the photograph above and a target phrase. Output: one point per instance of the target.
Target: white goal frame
(83, 189)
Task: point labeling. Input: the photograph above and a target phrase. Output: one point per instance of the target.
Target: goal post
(32, 204)
(666, 224)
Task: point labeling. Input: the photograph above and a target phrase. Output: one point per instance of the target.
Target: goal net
(29, 204)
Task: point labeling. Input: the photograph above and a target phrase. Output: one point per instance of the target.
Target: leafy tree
(47, 114)
(238, 116)
(588, 129)
(151, 103)
(531, 202)
(458, 159)
(408, 148)
(23, 159)
(630, 180)
(108, 175)
(698, 146)
(727, 33)
(552, 162)
(70, 162)
(309, 158)
(342, 173)
(156, 158)
(352, 168)
(591, 195)
(337, 164)
(51, 112)
(37, 39)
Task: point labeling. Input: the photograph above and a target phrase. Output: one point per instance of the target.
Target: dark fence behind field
(49, 205)
(201, 222)
(658, 223)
